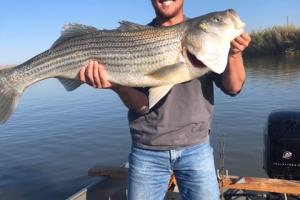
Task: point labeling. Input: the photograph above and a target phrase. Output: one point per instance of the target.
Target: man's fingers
(100, 74)
(241, 41)
(103, 77)
(235, 46)
(89, 73)
(246, 37)
(96, 74)
(244, 40)
(82, 74)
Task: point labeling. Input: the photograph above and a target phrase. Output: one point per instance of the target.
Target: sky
(28, 27)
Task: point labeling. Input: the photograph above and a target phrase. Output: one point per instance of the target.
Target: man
(174, 135)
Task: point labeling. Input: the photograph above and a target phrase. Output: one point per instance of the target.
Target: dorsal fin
(129, 26)
(72, 30)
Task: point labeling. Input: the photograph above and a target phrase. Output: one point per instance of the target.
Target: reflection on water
(54, 137)
(272, 83)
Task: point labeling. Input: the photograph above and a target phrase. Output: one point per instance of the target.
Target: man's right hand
(95, 75)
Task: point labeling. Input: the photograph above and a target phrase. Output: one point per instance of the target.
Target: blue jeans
(150, 171)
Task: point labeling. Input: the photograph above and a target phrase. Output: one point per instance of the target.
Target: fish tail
(9, 96)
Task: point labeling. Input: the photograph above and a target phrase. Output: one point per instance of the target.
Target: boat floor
(112, 189)
(116, 189)
(111, 184)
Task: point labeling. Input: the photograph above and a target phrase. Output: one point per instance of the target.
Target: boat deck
(112, 185)
(115, 189)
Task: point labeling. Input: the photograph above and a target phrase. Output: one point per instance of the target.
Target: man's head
(168, 9)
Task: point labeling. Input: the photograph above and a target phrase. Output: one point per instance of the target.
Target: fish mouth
(193, 60)
(238, 24)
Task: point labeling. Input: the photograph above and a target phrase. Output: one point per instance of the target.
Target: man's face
(167, 8)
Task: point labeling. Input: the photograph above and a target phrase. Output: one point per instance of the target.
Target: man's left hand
(239, 44)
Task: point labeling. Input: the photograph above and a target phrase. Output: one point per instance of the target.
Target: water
(272, 83)
(49, 144)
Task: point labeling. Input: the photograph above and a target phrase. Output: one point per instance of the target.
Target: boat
(112, 185)
(281, 134)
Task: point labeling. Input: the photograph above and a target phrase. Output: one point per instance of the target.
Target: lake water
(54, 137)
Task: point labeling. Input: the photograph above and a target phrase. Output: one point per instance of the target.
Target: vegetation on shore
(274, 41)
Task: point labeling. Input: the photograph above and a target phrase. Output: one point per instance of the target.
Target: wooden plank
(112, 172)
(261, 184)
(229, 182)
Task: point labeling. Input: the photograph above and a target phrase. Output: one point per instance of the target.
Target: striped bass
(134, 55)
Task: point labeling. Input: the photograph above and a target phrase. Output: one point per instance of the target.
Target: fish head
(207, 39)
(226, 25)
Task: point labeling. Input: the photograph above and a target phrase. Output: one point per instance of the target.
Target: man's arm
(234, 75)
(95, 75)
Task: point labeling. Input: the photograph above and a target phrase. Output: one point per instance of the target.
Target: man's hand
(234, 75)
(95, 75)
(239, 44)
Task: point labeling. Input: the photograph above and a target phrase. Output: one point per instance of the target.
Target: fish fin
(157, 93)
(216, 61)
(72, 30)
(128, 26)
(70, 84)
(9, 97)
(175, 73)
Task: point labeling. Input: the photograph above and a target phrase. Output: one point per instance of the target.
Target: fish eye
(217, 19)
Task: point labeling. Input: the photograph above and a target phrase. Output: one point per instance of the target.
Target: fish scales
(134, 56)
(113, 52)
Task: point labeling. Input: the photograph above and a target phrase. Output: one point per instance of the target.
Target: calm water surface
(49, 144)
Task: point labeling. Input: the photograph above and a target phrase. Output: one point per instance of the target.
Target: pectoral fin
(157, 93)
(70, 84)
(172, 74)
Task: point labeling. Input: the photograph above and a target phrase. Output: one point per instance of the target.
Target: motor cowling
(282, 145)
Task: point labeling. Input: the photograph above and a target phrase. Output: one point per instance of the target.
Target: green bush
(275, 40)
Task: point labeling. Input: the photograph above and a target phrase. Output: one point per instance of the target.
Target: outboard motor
(282, 145)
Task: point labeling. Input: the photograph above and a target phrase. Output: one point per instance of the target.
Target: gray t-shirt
(182, 118)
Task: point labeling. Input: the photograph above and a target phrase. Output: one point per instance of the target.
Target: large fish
(134, 55)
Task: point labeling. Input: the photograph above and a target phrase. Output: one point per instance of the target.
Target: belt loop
(173, 155)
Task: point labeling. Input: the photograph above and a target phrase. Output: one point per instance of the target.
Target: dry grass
(275, 40)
